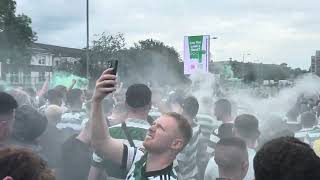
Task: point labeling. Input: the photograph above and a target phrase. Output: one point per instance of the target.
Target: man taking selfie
(167, 136)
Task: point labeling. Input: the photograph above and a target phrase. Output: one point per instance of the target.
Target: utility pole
(244, 55)
(87, 49)
(212, 38)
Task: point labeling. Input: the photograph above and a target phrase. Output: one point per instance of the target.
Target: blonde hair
(53, 113)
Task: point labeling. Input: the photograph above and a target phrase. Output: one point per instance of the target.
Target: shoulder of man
(139, 123)
(137, 166)
(135, 132)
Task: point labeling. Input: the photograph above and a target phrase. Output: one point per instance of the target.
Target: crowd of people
(111, 132)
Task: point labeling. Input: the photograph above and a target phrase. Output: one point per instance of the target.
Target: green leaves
(16, 34)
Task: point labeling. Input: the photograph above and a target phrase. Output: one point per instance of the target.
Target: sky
(271, 31)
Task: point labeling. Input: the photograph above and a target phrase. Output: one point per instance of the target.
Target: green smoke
(227, 71)
(4, 86)
(65, 79)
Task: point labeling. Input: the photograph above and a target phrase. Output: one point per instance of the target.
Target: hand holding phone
(114, 66)
(105, 85)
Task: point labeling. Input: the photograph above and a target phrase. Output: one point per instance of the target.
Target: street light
(213, 38)
(87, 49)
(245, 55)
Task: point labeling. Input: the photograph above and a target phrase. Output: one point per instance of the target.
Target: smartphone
(113, 64)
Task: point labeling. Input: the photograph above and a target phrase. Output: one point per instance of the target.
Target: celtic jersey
(73, 120)
(137, 129)
(135, 161)
(189, 158)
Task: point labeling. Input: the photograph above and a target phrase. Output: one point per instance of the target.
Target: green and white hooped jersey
(189, 158)
(308, 135)
(135, 161)
(73, 120)
(137, 128)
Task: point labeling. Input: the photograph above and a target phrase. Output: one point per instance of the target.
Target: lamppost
(87, 49)
(244, 55)
(213, 38)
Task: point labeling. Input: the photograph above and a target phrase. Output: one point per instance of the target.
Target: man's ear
(177, 144)
(8, 178)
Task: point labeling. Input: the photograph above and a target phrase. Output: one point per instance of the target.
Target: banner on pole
(196, 53)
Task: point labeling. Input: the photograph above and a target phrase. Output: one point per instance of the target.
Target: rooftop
(59, 50)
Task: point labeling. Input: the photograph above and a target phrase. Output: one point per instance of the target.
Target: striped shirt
(137, 129)
(215, 136)
(43, 108)
(213, 140)
(73, 120)
(134, 160)
(308, 135)
(188, 158)
(207, 124)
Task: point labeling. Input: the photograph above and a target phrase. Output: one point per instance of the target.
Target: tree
(153, 61)
(77, 68)
(16, 34)
(236, 69)
(251, 75)
(297, 72)
(105, 48)
(147, 61)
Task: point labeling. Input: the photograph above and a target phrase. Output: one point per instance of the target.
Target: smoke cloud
(205, 85)
(65, 79)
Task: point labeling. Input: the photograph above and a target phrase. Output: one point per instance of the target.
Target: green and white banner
(196, 53)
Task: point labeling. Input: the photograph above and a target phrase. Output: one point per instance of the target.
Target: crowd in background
(74, 134)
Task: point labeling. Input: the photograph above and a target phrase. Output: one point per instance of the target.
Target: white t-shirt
(212, 171)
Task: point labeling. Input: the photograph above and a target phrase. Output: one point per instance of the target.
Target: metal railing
(25, 81)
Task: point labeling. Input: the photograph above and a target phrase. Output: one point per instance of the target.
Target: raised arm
(102, 142)
(74, 82)
(44, 88)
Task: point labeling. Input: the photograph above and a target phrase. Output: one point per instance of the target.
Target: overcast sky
(272, 31)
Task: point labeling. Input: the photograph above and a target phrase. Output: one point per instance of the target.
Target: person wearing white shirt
(231, 156)
(246, 127)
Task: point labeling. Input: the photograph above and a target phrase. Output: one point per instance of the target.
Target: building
(43, 62)
(315, 63)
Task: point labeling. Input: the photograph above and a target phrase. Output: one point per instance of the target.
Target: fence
(25, 81)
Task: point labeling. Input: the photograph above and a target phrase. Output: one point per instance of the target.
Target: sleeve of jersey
(130, 156)
(97, 161)
(211, 171)
(176, 166)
